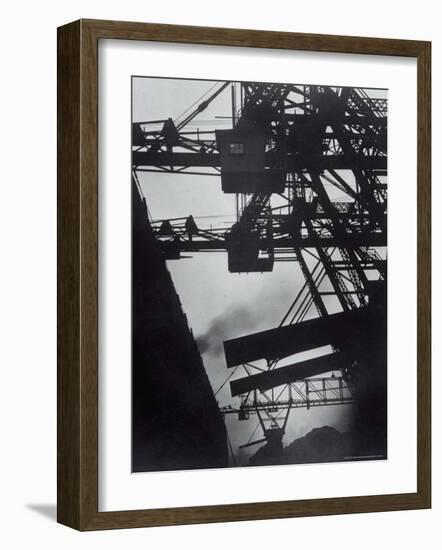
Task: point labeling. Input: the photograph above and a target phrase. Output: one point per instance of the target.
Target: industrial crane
(308, 166)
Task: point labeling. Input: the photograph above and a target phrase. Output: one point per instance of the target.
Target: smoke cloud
(255, 313)
(232, 323)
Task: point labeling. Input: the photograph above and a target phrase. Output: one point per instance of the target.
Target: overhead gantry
(308, 166)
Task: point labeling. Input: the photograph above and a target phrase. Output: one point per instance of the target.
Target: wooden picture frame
(78, 274)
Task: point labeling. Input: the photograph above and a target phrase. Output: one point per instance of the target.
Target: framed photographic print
(243, 275)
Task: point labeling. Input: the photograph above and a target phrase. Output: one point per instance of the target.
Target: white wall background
(28, 271)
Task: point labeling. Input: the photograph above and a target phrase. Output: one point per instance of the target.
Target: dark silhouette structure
(322, 151)
(176, 420)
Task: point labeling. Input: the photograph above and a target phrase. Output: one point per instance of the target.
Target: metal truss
(330, 218)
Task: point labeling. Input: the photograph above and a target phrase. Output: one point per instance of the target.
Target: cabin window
(237, 148)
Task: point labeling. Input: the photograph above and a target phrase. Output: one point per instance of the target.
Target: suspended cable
(225, 382)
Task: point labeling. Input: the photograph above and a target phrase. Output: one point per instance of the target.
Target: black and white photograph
(259, 274)
(218, 305)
